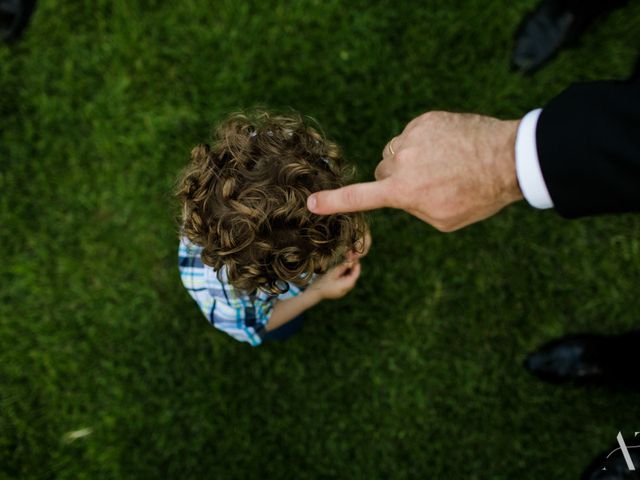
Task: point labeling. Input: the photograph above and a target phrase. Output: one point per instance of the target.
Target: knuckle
(430, 116)
(404, 156)
(434, 117)
(352, 197)
(412, 125)
(425, 120)
(424, 117)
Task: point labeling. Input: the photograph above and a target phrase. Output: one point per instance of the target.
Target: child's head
(244, 200)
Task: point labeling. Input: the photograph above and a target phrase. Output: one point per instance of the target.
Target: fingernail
(312, 201)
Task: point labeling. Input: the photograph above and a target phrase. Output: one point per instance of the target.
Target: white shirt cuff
(527, 164)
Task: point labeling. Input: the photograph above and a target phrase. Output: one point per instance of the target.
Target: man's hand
(448, 169)
(337, 282)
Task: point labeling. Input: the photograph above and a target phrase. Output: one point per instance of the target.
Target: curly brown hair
(244, 201)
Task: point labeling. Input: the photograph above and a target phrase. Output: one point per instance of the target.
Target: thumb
(352, 198)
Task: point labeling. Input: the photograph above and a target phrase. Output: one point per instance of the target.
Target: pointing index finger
(352, 198)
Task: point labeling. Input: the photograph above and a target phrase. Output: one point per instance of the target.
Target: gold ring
(391, 146)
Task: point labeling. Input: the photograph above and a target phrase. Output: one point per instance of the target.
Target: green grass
(416, 374)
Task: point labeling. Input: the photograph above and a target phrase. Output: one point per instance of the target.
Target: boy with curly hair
(251, 255)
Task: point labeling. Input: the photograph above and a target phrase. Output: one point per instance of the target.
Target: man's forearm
(286, 310)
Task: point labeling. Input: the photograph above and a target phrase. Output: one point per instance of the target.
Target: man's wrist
(508, 187)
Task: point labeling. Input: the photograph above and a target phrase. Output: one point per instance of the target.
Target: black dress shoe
(589, 359)
(612, 465)
(553, 25)
(14, 17)
(573, 358)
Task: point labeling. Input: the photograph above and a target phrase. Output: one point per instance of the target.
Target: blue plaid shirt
(225, 307)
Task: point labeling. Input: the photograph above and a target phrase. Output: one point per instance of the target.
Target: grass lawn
(416, 374)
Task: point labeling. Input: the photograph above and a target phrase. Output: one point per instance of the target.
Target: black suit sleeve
(588, 140)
